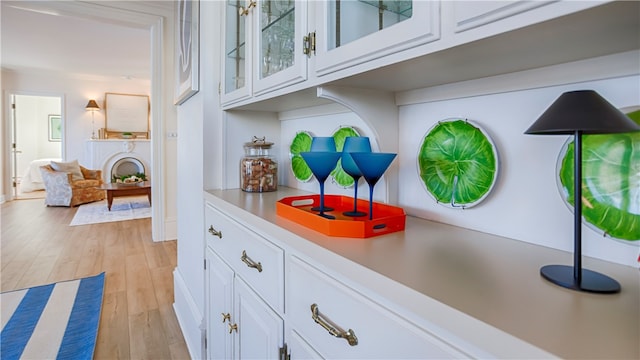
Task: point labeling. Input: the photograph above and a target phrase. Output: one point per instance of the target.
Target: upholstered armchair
(69, 189)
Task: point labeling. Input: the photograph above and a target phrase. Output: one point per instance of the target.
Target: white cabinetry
(263, 47)
(256, 309)
(339, 323)
(244, 285)
(352, 32)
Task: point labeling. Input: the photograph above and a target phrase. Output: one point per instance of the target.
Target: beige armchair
(62, 190)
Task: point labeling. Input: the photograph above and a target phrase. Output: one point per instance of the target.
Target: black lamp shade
(92, 105)
(585, 111)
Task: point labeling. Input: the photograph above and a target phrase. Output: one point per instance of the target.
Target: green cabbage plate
(611, 182)
(458, 163)
(300, 143)
(338, 175)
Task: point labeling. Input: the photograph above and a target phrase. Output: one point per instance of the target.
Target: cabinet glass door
(351, 20)
(353, 32)
(279, 60)
(277, 31)
(237, 51)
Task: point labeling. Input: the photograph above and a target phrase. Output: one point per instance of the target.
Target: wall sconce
(576, 113)
(92, 106)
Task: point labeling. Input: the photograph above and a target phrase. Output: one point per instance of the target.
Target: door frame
(11, 128)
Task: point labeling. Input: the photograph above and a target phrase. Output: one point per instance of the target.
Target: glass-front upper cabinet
(237, 52)
(279, 33)
(263, 46)
(351, 32)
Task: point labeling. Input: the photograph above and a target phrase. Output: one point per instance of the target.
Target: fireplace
(127, 166)
(119, 157)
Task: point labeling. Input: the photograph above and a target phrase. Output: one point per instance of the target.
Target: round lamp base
(592, 281)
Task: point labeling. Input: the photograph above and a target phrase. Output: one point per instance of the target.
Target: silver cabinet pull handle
(215, 232)
(250, 263)
(332, 328)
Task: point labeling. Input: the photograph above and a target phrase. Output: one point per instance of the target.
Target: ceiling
(45, 36)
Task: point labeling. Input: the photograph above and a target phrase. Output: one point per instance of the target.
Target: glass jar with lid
(258, 167)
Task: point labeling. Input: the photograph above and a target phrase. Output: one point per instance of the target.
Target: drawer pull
(215, 232)
(332, 328)
(250, 263)
(233, 327)
(226, 317)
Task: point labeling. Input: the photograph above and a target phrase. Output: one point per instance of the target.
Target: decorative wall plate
(611, 181)
(457, 163)
(338, 175)
(300, 143)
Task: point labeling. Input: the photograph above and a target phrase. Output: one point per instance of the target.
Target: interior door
(37, 136)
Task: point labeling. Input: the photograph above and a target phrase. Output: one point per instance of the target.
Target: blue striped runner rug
(55, 321)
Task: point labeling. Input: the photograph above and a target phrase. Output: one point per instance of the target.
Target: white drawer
(220, 232)
(380, 333)
(257, 261)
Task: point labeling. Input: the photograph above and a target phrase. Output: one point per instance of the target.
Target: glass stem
(322, 198)
(370, 202)
(355, 195)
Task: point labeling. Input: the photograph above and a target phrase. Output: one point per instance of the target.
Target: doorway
(37, 137)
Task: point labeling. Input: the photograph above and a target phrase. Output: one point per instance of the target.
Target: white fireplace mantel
(103, 154)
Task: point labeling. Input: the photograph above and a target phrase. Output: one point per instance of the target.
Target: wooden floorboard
(37, 246)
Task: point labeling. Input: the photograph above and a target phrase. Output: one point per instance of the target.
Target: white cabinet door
(219, 302)
(263, 47)
(237, 54)
(349, 33)
(279, 27)
(260, 332)
(300, 349)
(472, 14)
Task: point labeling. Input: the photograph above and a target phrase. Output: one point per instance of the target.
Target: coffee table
(118, 190)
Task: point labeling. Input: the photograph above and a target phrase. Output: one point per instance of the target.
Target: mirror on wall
(126, 116)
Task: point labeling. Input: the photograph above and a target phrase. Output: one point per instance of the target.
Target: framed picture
(55, 128)
(186, 49)
(126, 113)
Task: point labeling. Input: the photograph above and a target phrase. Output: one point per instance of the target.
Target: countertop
(490, 278)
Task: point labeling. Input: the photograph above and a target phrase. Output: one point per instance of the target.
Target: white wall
(77, 92)
(199, 138)
(525, 203)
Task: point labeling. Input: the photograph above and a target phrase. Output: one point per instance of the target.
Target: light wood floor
(138, 322)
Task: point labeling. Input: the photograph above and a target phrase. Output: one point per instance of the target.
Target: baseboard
(189, 317)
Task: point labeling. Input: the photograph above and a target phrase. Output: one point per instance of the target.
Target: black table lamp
(576, 113)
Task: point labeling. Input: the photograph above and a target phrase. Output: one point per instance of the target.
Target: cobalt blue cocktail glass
(372, 165)
(354, 144)
(323, 143)
(321, 164)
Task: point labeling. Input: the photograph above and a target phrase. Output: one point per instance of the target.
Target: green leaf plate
(611, 181)
(300, 143)
(338, 175)
(458, 163)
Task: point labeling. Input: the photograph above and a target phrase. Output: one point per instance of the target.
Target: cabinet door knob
(250, 263)
(215, 232)
(226, 317)
(332, 328)
(233, 327)
(245, 11)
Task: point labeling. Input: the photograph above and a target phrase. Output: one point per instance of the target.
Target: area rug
(58, 320)
(123, 208)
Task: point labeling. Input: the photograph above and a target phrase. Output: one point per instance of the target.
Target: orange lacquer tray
(386, 218)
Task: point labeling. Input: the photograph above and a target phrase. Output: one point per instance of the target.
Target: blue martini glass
(321, 164)
(323, 143)
(354, 144)
(372, 165)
